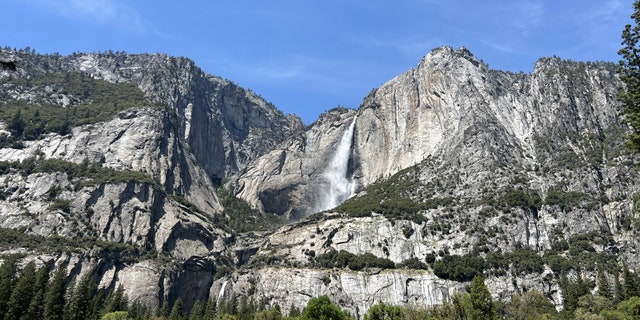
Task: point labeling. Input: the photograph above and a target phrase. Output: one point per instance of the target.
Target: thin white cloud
(410, 47)
(104, 12)
(293, 70)
(529, 16)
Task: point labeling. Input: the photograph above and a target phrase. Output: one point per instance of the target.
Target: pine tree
(603, 284)
(7, 281)
(294, 311)
(176, 311)
(80, 304)
(480, 300)
(631, 283)
(630, 75)
(17, 124)
(55, 297)
(118, 301)
(164, 311)
(197, 312)
(36, 307)
(210, 309)
(22, 293)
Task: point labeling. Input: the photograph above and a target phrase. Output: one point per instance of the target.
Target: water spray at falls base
(339, 185)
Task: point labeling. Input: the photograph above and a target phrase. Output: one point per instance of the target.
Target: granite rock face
(160, 213)
(289, 179)
(449, 158)
(497, 161)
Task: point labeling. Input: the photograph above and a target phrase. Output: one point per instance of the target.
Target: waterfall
(339, 186)
(221, 294)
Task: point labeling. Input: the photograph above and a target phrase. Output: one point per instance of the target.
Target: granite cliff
(453, 160)
(451, 169)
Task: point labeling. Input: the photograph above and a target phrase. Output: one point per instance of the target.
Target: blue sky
(309, 56)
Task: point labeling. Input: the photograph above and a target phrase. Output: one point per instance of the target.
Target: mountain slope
(118, 155)
(463, 170)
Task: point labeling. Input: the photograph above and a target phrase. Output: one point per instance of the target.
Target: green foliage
(36, 305)
(530, 305)
(518, 198)
(565, 200)
(630, 307)
(91, 174)
(629, 72)
(243, 218)
(481, 302)
(382, 311)
(572, 290)
(112, 251)
(177, 312)
(321, 308)
(116, 315)
(79, 305)
(22, 293)
(269, 314)
(8, 270)
(459, 268)
(631, 286)
(557, 263)
(55, 296)
(395, 199)
(343, 259)
(92, 101)
(526, 260)
(414, 263)
(117, 301)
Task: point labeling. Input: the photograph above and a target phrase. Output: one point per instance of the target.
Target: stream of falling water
(340, 186)
(221, 294)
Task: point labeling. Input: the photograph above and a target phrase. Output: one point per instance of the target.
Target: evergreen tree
(80, 304)
(603, 284)
(164, 310)
(481, 303)
(294, 312)
(176, 312)
(619, 293)
(98, 303)
(117, 301)
(22, 293)
(197, 312)
(631, 283)
(630, 75)
(136, 311)
(210, 309)
(36, 307)
(7, 281)
(55, 296)
(17, 124)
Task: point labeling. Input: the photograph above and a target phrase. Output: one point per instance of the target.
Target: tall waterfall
(339, 185)
(221, 293)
